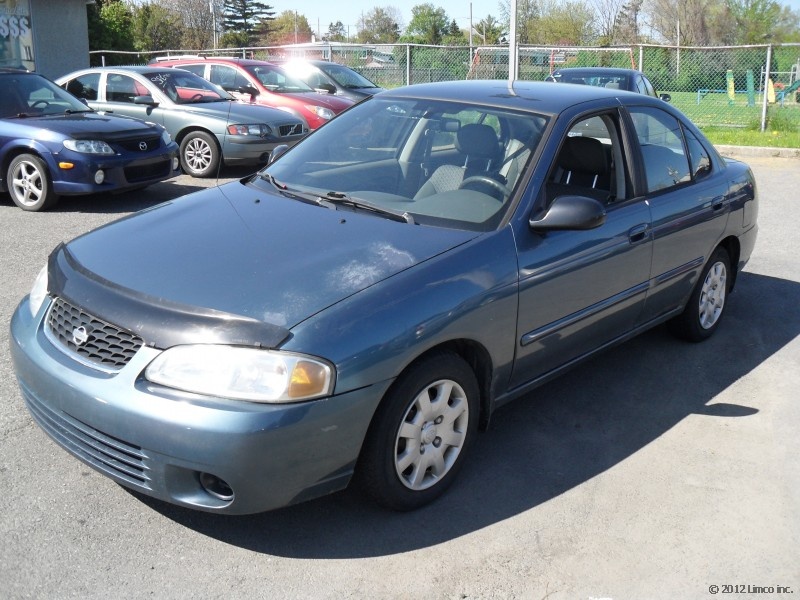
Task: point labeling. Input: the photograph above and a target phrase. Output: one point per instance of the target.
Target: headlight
(322, 112)
(38, 292)
(88, 146)
(257, 129)
(242, 373)
(166, 138)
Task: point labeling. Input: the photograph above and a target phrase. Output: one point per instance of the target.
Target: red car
(261, 82)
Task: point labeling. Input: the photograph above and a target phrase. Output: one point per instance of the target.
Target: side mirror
(277, 152)
(247, 89)
(570, 213)
(665, 97)
(327, 88)
(145, 100)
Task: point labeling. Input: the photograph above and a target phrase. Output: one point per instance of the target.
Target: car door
(118, 92)
(580, 290)
(688, 201)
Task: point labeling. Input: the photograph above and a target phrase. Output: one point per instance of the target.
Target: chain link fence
(735, 86)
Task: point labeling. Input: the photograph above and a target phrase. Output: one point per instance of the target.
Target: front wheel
(420, 433)
(200, 154)
(701, 317)
(29, 183)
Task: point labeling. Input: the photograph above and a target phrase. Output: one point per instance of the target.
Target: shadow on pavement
(132, 201)
(560, 436)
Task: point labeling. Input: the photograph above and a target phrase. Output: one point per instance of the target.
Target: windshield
(276, 79)
(183, 87)
(28, 94)
(443, 163)
(345, 77)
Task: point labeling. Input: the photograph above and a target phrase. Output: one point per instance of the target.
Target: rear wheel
(29, 183)
(420, 434)
(200, 155)
(701, 317)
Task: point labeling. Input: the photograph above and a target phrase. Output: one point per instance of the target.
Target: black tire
(200, 154)
(432, 408)
(706, 306)
(29, 183)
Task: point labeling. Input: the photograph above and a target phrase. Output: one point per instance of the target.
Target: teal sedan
(357, 310)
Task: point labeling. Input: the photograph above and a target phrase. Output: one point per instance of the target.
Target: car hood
(90, 125)
(239, 112)
(336, 104)
(237, 250)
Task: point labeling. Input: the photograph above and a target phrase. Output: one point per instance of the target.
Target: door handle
(639, 233)
(718, 203)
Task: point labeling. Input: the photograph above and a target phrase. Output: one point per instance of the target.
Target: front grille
(291, 130)
(92, 340)
(106, 453)
(146, 172)
(133, 145)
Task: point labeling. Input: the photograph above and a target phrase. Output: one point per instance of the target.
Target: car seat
(480, 147)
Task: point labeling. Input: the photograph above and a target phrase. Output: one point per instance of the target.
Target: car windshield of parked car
(443, 163)
(26, 95)
(617, 82)
(346, 77)
(276, 79)
(183, 87)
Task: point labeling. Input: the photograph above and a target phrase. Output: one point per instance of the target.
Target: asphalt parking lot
(658, 470)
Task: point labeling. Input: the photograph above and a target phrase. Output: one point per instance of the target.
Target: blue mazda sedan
(53, 145)
(358, 309)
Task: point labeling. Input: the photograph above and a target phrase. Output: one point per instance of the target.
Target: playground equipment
(794, 84)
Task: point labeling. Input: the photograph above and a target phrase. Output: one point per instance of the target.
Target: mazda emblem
(142, 146)
(80, 336)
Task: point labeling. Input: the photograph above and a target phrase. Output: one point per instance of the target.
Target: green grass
(739, 124)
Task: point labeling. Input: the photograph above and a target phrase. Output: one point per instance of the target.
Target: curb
(761, 151)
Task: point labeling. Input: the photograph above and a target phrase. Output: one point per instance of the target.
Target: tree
(289, 28)
(381, 25)
(156, 27)
(527, 17)
(248, 18)
(428, 25)
(606, 20)
(111, 28)
(335, 33)
(198, 18)
(489, 30)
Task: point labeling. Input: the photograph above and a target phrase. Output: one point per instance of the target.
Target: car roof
(228, 60)
(538, 96)
(598, 71)
(127, 68)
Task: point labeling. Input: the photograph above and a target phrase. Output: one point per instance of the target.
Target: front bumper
(120, 174)
(165, 444)
(245, 149)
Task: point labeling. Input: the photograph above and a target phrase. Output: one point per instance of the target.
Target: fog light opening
(216, 487)
(99, 176)
(175, 163)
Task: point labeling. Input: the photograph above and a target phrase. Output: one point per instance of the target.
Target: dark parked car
(612, 78)
(53, 145)
(266, 84)
(332, 78)
(210, 126)
(359, 308)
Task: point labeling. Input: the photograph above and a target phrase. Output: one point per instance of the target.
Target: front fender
(467, 293)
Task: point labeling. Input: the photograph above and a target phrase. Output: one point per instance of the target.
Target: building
(49, 37)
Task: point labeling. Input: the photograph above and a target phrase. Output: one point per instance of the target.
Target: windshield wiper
(340, 198)
(334, 199)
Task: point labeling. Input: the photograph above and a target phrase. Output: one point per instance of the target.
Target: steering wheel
(494, 184)
(196, 97)
(44, 103)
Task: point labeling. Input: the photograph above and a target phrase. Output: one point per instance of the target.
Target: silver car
(210, 126)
